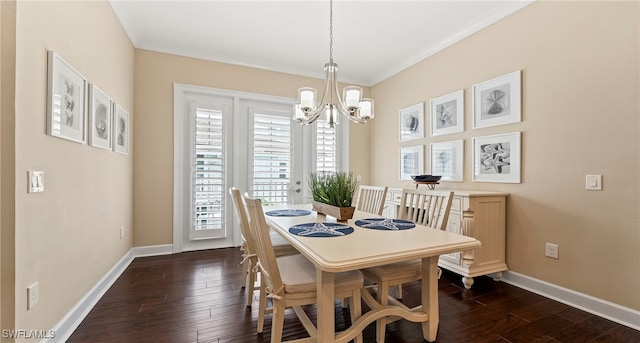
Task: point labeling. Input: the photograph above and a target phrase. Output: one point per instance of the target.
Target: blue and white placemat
(385, 224)
(289, 212)
(321, 229)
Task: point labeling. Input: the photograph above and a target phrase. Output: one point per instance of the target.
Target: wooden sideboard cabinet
(477, 214)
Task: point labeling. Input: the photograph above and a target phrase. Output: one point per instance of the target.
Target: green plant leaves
(336, 189)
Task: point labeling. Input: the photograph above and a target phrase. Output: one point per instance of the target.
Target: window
(207, 171)
(326, 147)
(271, 152)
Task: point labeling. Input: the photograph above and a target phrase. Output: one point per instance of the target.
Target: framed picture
(120, 130)
(447, 113)
(412, 122)
(66, 100)
(497, 158)
(447, 160)
(497, 101)
(411, 161)
(100, 108)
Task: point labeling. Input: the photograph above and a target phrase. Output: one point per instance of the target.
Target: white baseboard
(152, 250)
(602, 308)
(65, 327)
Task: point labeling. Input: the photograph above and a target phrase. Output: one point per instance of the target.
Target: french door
(224, 139)
(275, 153)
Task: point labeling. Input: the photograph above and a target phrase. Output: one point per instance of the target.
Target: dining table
(362, 246)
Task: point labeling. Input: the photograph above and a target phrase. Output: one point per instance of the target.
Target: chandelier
(350, 105)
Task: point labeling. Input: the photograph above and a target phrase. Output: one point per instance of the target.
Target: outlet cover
(551, 250)
(33, 295)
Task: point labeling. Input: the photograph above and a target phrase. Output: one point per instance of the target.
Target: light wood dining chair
(371, 199)
(423, 207)
(290, 281)
(281, 246)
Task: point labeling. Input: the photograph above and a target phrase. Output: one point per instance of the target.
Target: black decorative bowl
(426, 178)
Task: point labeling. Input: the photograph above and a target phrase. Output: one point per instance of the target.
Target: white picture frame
(497, 158)
(447, 113)
(120, 130)
(447, 159)
(497, 101)
(412, 122)
(66, 100)
(100, 117)
(411, 161)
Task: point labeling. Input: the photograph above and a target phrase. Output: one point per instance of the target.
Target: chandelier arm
(352, 116)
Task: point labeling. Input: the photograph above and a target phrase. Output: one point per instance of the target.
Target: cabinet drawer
(393, 196)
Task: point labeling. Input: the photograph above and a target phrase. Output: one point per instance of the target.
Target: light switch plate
(594, 182)
(35, 178)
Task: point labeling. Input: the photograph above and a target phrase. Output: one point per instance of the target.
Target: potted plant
(332, 193)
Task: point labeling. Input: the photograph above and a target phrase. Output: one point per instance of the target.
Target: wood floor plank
(196, 297)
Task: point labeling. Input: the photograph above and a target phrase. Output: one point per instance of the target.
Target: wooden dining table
(364, 248)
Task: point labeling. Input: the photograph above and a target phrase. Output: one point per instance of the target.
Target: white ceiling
(373, 40)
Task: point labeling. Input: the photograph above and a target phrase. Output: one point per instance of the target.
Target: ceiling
(372, 41)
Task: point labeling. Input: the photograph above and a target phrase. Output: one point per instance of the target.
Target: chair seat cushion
(400, 270)
(281, 247)
(299, 276)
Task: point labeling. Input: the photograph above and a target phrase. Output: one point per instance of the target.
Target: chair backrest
(264, 248)
(243, 220)
(426, 207)
(371, 199)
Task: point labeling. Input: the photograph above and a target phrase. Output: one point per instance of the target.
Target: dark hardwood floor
(197, 297)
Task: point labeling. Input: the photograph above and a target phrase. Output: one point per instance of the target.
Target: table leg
(326, 306)
(430, 297)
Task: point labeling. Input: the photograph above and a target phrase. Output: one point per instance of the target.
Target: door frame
(238, 158)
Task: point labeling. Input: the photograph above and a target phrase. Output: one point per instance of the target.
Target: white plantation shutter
(208, 172)
(326, 147)
(271, 155)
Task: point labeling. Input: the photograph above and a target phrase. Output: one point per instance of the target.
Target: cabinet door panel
(454, 225)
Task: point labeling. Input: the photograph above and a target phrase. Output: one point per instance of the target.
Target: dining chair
(290, 281)
(281, 246)
(370, 199)
(423, 207)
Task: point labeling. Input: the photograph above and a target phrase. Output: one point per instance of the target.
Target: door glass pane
(326, 147)
(272, 146)
(208, 158)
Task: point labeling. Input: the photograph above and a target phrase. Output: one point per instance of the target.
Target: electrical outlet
(33, 295)
(551, 250)
(121, 232)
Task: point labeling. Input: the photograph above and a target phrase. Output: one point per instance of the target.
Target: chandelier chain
(331, 31)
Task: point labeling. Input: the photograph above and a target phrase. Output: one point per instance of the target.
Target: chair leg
(252, 281)
(383, 299)
(245, 271)
(262, 306)
(245, 268)
(277, 321)
(355, 304)
(399, 291)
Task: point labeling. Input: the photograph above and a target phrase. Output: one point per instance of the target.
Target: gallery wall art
(497, 101)
(412, 122)
(66, 100)
(496, 158)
